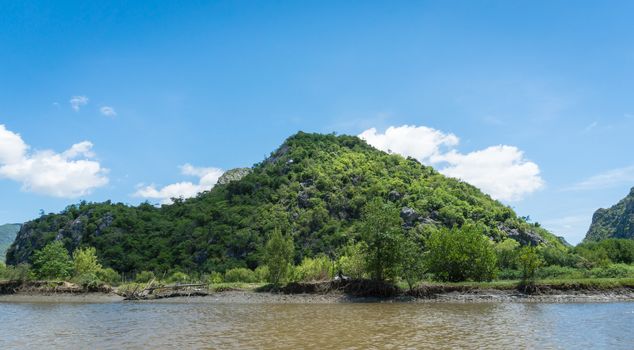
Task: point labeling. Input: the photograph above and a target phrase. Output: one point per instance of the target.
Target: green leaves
(461, 254)
(52, 262)
(325, 191)
(381, 232)
(278, 256)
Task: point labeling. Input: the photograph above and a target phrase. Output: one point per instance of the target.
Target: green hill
(615, 222)
(313, 187)
(7, 235)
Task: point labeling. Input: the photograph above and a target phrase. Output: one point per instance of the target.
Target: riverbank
(604, 290)
(252, 297)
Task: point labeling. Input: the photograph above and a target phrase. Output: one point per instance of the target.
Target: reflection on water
(209, 325)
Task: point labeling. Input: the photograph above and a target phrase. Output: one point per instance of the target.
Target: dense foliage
(382, 236)
(53, 262)
(461, 254)
(615, 222)
(314, 188)
(278, 256)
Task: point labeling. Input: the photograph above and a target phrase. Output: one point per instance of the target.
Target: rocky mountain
(7, 235)
(313, 187)
(615, 222)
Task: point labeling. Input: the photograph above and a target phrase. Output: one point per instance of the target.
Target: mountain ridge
(614, 222)
(312, 187)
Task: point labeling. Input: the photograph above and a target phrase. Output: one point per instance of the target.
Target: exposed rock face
(615, 222)
(233, 175)
(523, 237)
(7, 235)
(71, 232)
(410, 216)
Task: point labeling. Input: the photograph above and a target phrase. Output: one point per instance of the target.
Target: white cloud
(69, 174)
(107, 111)
(501, 171)
(419, 142)
(609, 179)
(207, 179)
(76, 102)
(12, 148)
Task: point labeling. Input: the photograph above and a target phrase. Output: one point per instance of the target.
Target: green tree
(507, 252)
(381, 232)
(352, 261)
(52, 262)
(412, 263)
(85, 261)
(278, 255)
(460, 254)
(529, 261)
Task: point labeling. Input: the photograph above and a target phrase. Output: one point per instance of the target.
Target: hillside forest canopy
(331, 205)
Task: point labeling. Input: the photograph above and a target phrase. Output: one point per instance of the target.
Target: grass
(226, 286)
(557, 283)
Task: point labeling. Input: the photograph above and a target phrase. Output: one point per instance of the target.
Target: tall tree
(381, 231)
(278, 255)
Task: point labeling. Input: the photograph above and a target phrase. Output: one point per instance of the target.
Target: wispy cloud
(107, 111)
(608, 179)
(573, 227)
(590, 126)
(76, 102)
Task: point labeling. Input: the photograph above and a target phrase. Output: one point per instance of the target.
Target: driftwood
(152, 291)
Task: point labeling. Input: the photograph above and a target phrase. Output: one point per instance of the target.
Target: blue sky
(500, 88)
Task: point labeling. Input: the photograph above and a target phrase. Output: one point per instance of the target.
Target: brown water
(204, 324)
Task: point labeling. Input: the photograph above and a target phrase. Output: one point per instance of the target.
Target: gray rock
(303, 199)
(410, 216)
(394, 196)
(233, 175)
(523, 237)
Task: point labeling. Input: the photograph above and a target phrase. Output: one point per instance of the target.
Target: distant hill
(313, 187)
(7, 235)
(615, 222)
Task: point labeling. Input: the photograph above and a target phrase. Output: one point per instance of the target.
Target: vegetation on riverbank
(313, 188)
(321, 207)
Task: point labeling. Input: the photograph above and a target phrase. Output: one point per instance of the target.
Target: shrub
(262, 273)
(529, 262)
(215, 277)
(109, 276)
(509, 274)
(240, 274)
(461, 254)
(88, 280)
(144, 277)
(557, 256)
(506, 252)
(85, 261)
(278, 255)
(318, 269)
(612, 271)
(178, 277)
(352, 262)
(20, 273)
(556, 271)
(52, 262)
